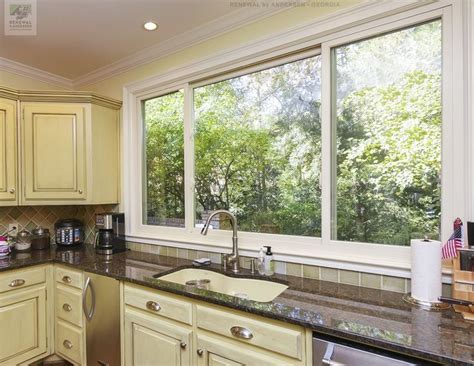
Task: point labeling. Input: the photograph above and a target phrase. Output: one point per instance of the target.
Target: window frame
(386, 259)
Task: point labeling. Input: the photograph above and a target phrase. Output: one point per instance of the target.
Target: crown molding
(17, 68)
(175, 44)
(59, 96)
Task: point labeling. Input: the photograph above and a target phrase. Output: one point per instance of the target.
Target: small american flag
(455, 242)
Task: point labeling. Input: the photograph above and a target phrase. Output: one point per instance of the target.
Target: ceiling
(77, 37)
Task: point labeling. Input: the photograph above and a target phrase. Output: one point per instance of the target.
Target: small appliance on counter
(110, 233)
(40, 239)
(69, 232)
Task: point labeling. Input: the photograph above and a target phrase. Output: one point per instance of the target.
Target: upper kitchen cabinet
(68, 144)
(53, 150)
(8, 153)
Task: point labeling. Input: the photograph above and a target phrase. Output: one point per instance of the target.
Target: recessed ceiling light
(150, 26)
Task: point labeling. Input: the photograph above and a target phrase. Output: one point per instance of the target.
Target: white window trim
(330, 31)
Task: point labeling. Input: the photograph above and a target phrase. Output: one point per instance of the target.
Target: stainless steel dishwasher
(330, 352)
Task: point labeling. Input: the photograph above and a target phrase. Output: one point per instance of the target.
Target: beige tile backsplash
(30, 217)
(389, 283)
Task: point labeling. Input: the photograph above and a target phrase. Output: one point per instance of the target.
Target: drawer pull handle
(67, 307)
(153, 306)
(240, 332)
(200, 351)
(67, 344)
(17, 283)
(67, 279)
(183, 345)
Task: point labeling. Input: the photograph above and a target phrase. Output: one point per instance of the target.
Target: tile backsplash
(30, 217)
(362, 279)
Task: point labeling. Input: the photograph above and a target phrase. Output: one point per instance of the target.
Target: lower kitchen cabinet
(159, 328)
(23, 318)
(152, 341)
(214, 351)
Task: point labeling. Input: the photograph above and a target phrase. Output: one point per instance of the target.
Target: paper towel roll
(426, 270)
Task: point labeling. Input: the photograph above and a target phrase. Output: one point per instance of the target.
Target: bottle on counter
(261, 262)
(269, 263)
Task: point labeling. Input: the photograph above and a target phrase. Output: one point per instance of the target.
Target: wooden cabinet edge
(59, 96)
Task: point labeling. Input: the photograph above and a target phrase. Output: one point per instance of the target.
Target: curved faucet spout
(233, 258)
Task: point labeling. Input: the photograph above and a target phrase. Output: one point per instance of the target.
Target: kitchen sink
(246, 288)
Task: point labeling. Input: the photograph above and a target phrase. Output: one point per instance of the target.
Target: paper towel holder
(425, 305)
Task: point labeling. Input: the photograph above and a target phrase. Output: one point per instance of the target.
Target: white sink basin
(256, 290)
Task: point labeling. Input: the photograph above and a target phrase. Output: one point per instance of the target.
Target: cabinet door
(215, 351)
(23, 325)
(54, 148)
(8, 156)
(151, 341)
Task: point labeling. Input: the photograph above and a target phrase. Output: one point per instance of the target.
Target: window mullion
(188, 158)
(326, 148)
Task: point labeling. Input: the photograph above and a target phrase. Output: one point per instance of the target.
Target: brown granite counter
(373, 317)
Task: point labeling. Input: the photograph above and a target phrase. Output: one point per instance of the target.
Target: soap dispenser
(269, 263)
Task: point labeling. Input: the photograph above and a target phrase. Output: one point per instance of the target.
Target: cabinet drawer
(69, 341)
(159, 304)
(68, 304)
(286, 340)
(68, 277)
(22, 278)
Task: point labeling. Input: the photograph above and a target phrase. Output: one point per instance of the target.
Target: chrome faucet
(233, 258)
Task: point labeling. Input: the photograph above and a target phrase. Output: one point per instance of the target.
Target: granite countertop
(373, 317)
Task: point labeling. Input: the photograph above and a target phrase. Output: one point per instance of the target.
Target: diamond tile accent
(30, 217)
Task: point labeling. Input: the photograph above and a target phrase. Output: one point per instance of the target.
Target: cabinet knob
(67, 307)
(183, 345)
(241, 332)
(200, 351)
(17, 283)
(67, 279)
(153, 306)
(80, 191)
(67, 344)
(12, 190)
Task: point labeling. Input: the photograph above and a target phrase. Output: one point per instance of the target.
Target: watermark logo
(20, 17)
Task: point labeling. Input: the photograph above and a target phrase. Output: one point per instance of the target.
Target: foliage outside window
(257, 144)
(388, 127)
(258, 149)
(164, 159)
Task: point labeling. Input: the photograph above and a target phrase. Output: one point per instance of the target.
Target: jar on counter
(4, 246)
(23, 241)
(40, 239)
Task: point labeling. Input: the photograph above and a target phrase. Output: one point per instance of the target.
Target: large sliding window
(387, 117)
(258, 149)
(163, 179)
(327, 151)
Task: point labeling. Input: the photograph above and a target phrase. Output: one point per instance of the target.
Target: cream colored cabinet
(53, 151)
(159, 327)
(60, 148)
(68, 315)
(214, 351)
(24, 316)
(152, 341)
(70, 154)
(8, 153)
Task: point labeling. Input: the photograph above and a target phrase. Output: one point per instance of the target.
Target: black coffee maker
(110, 233)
